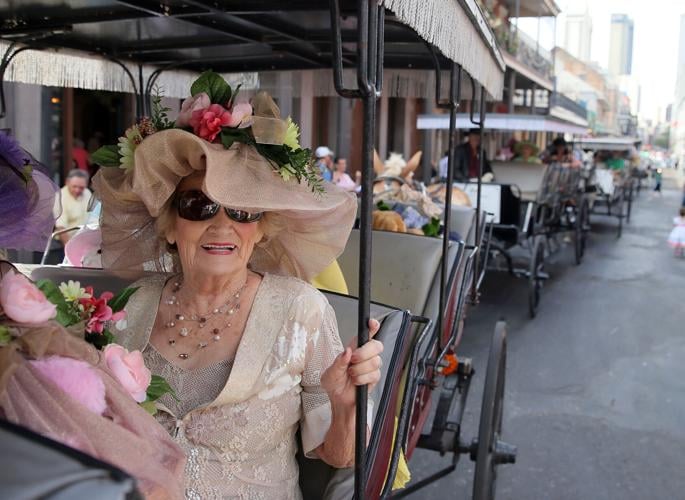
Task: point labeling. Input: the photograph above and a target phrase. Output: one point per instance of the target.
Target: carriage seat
(399, 278)
(527, 176)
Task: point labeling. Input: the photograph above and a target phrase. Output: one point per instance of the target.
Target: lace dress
(239, 430)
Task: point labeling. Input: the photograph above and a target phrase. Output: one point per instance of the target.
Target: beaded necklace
(184, 322)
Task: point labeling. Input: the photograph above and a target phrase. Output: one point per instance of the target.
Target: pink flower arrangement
(129, 369)
(98, 312)
(23, 302)
(241, 115)
(197, 102)
(207, 122)
(76, 378)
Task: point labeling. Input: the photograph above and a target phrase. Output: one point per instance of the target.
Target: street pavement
(595, 388)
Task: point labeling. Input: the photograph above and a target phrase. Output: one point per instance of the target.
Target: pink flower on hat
(189, 106)
(241, 115)
(207, 122)
(129, 369)
(23, 302)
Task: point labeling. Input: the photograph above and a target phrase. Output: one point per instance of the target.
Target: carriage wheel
(581, 229)
(537, 264)
(489, 450)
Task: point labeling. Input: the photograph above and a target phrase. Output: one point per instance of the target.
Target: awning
(609, 143)
(235, 37)
(69, 68)
(459, 29)
(503, 121)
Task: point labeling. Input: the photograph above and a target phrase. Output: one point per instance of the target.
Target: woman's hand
(354, 366)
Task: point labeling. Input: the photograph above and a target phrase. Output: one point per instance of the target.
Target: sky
(655, 43)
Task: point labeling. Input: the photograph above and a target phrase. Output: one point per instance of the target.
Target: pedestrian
(657, 180)
(468, 159)
(324, 162)
(677, 237)
(79, 155)
(682, 204)
(443, 164)
(74, 196)
(340, 176)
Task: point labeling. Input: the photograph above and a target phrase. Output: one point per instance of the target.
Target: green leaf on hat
(214, 86)
(107, 156)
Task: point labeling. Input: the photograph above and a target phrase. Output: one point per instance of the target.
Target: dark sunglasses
(196, 206)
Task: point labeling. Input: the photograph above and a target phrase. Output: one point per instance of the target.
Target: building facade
(578, 35)
(621, 45)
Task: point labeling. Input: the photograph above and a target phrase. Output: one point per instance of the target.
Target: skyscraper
(621, 45)
(578, 35)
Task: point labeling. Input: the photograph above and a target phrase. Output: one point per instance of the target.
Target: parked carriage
(610, 183)
(420, 306)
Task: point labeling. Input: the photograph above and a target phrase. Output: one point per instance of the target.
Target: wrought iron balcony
(557, 99)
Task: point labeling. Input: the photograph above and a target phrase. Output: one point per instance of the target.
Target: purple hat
(27, 198)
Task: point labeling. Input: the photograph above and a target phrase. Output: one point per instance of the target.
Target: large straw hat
(314, 223)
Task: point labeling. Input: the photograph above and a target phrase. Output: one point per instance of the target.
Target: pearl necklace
(180, 319)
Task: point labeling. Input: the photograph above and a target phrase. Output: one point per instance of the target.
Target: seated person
(251, 349)
(526, 152)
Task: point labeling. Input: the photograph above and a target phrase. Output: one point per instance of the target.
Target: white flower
(286, 175)
(292, 135)
(72, 291)
(127, 146)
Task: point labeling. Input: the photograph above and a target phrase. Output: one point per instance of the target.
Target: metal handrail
(52, 237)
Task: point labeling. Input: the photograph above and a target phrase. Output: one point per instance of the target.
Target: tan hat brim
(316, 226)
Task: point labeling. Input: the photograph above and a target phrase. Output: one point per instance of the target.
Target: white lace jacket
(242, 445)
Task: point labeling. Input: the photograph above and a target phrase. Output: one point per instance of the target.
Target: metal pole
(476, 264)
(455, 90)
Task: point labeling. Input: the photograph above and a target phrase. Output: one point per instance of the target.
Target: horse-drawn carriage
(417, 286)
(528, 205)
(611, 183)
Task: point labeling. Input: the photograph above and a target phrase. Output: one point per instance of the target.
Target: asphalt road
(595, 394)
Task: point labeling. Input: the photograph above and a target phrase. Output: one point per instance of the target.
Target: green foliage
(100, 340)
(218, 90)
(5, 335)
(160, 118)
(159, 387)
(119, 301)
(107, 156)
(382, 206)
(295, 162)
(432, 228)
(231, 135)
(67, 314)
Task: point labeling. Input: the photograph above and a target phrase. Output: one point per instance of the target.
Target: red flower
(207, 122)
(98, 312)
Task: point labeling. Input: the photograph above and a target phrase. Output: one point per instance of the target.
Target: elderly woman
(251, 349)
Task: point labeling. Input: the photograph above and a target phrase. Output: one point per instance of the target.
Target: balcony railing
(568, 104)
(525, 50)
